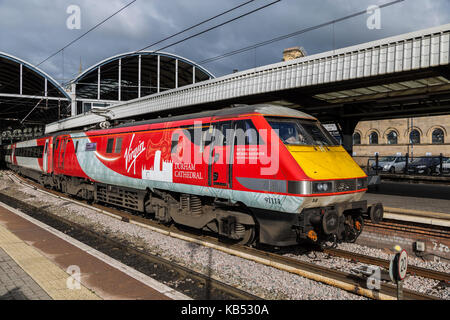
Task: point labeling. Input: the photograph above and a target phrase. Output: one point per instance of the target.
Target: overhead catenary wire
(77, 39)
(198, 33)
(265, 42)
(290, 35)
(84, 34)
(187, 29)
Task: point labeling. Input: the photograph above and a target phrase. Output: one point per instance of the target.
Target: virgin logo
(131, 155)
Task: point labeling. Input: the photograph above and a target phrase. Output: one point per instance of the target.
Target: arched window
(373, 138)
(392, 137)
(438, 136)
(356, 139)
(414, 137)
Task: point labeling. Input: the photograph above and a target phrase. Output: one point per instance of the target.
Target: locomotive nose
(333, 163)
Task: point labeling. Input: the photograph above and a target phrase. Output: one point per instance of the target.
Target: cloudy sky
(34, 29)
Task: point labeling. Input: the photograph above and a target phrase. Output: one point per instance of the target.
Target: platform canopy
(29, 99)
(401, 76)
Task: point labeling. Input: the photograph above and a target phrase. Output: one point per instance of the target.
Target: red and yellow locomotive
(250, 173)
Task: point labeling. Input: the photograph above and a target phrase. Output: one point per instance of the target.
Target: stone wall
(403, 127)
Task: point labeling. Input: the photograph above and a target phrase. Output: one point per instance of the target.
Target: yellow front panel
(321, 163)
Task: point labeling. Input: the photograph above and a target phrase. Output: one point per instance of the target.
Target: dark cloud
(34, 29)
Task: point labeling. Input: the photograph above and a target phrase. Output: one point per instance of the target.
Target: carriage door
(45, 158)
(62, 152)
(220, 157)
(56, 152)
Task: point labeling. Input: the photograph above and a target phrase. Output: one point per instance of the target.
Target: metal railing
(405, 165)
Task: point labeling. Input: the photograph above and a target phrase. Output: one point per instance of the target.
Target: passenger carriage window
(30, 152)
(109, 146)
(76, 147)
(118, 146)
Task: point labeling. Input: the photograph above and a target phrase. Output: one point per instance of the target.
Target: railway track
(343, 280)
(434, 231)
(412, 270)
(205, 287)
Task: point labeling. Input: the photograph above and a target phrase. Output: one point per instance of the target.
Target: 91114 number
(272, 200)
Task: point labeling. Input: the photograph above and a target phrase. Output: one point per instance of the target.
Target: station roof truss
(133, 75)
(394, 77)
(29, 98)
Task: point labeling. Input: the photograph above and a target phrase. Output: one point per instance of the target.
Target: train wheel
(376, 213)
(351, 229)
(249, 236)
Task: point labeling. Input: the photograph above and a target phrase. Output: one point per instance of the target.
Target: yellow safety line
(47, 275)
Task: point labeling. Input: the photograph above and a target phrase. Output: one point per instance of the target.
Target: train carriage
(250, 173)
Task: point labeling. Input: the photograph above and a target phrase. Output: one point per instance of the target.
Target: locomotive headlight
(321, 187)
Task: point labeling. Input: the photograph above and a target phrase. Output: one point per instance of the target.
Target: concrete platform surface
(39, 262)
(430, 198)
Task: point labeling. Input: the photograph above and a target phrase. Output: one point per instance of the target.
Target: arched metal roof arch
(131, 75)
(131, 54)
(37, 71)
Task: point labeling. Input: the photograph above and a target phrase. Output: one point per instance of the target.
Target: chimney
(293, 53)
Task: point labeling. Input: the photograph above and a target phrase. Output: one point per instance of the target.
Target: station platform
(431, 198)
(38, 262)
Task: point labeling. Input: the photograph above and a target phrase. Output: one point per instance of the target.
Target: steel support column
(120, 79)
(158, 74)
(21, 79)
(346, 129)
(139, 76)
(176, 73)
(98, 83)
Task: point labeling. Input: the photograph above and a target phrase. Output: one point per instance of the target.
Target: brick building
(422, 136)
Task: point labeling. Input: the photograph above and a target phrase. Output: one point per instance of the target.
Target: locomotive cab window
(301, 132)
